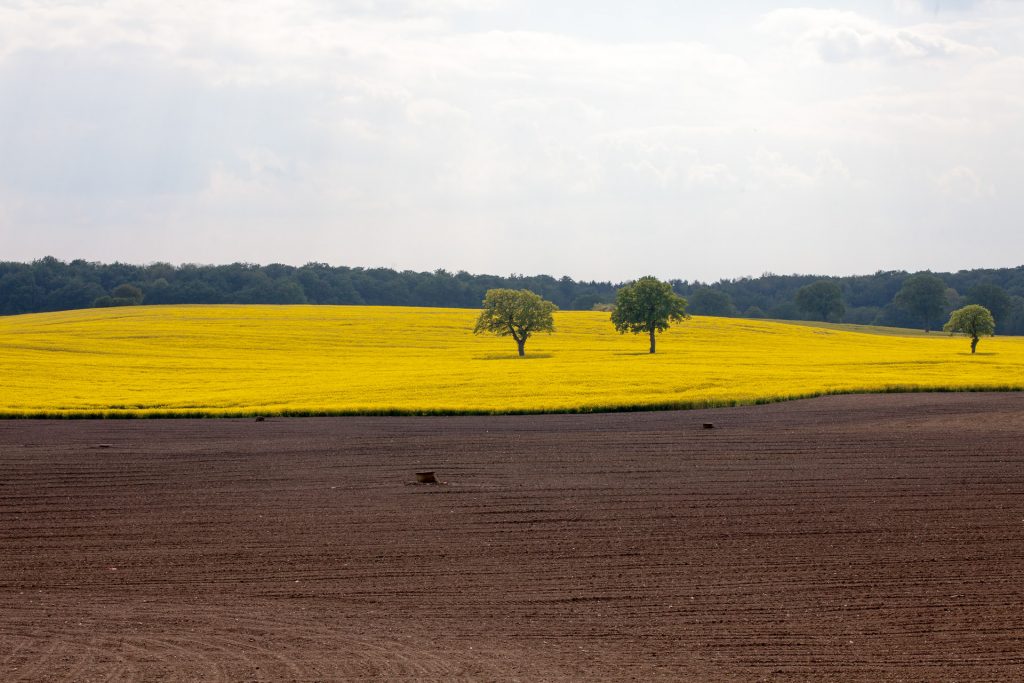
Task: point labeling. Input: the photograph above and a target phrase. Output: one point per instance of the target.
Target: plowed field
(842, 538)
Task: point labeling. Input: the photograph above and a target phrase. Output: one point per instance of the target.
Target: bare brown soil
(844, 538)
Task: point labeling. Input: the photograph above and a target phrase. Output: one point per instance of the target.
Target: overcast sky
(598, 139)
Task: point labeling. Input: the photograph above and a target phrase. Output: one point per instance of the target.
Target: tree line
(886, 298)
(49, 284)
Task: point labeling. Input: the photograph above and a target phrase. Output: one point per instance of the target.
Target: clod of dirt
(709, 425)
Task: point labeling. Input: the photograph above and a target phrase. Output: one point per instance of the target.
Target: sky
(590, 138)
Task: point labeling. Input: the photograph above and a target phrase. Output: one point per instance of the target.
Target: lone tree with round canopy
(517, 314)
(648, 305)
(974, 321)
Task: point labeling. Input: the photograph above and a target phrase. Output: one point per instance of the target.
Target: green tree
(923, 295)
(123, 295)
(993, 297)
(972, 320)
(586, 302)
(127, 295)
(19, 292)
(822, 298)
(753, 312)
(515, 313)
(648, 305)
(708, 301)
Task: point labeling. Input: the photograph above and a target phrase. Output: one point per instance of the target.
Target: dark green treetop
(991, 296)
(822, 298)
(708, 301)
(924, 296)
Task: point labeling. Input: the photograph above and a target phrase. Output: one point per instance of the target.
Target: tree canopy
(972, 320)
(123, 295)
(991, 296)
(648, 305)
(924, 296)
(708, 301)
(517, 314)
(822, 298)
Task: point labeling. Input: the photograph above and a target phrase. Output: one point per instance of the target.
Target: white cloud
(710, 175)
(773, 170)
(935, 7)
(841, 36)
(429, 111)
(963, 184)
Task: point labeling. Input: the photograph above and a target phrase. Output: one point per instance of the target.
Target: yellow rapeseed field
(247, 360)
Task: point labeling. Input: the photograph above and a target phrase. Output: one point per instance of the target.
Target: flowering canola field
(306, 360)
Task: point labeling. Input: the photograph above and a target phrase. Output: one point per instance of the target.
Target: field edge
(702, 404)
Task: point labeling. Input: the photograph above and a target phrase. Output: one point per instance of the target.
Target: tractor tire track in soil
(841, 538)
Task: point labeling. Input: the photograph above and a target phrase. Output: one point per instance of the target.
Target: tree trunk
(522, 347)
(652, 340)
(974, 343)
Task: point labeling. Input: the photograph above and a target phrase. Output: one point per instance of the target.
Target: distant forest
(52, 285)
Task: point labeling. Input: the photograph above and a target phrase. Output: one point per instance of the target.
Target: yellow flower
(247, 360)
